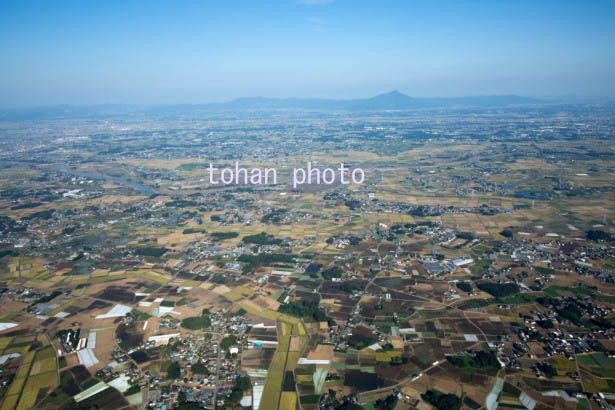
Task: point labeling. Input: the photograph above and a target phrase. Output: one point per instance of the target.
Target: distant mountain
(393, 100)
(389, 101)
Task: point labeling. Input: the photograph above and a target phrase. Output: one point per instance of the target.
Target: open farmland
(473, 265)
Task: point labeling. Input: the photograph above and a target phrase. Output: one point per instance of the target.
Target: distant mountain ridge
(393, 100)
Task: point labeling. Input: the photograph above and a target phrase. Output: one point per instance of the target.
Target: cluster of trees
(254, 261)
(151, 251)
(386, 348)
(47, 298)
(275, 216)
(8, 252)
(305, 309)
(194, 230)
(507, 233)
(174, 371)
(571, 312)
(190, 166)
(359, 342)
(425, 210)
(199, 368)
(441, 400)
(181, 203)
(398, 229)
(499, 290)
(243, 384)
(466, 235)
(350, 287)
(138, 315)
(481, 360)
(395, 360)
(26, 205)
(547, 301)
(546, 324)
(547, 369)
(228, 341)
(221, 236)
(388, 403)
(428, 224)
(262, 238)
(196, 322)
(543, 270)
(600, 236)
(353, 204)
(465, 286)
(69, 230)
(332, 272)
(47, 214)
(565, 311)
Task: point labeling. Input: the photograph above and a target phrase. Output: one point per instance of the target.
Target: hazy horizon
(189, 52)
(541, 99)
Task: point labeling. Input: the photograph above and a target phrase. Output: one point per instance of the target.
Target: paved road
(218, 363)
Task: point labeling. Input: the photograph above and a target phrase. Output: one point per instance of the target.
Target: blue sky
(90, 51)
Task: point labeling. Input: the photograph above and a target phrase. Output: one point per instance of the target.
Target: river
(144, 189)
